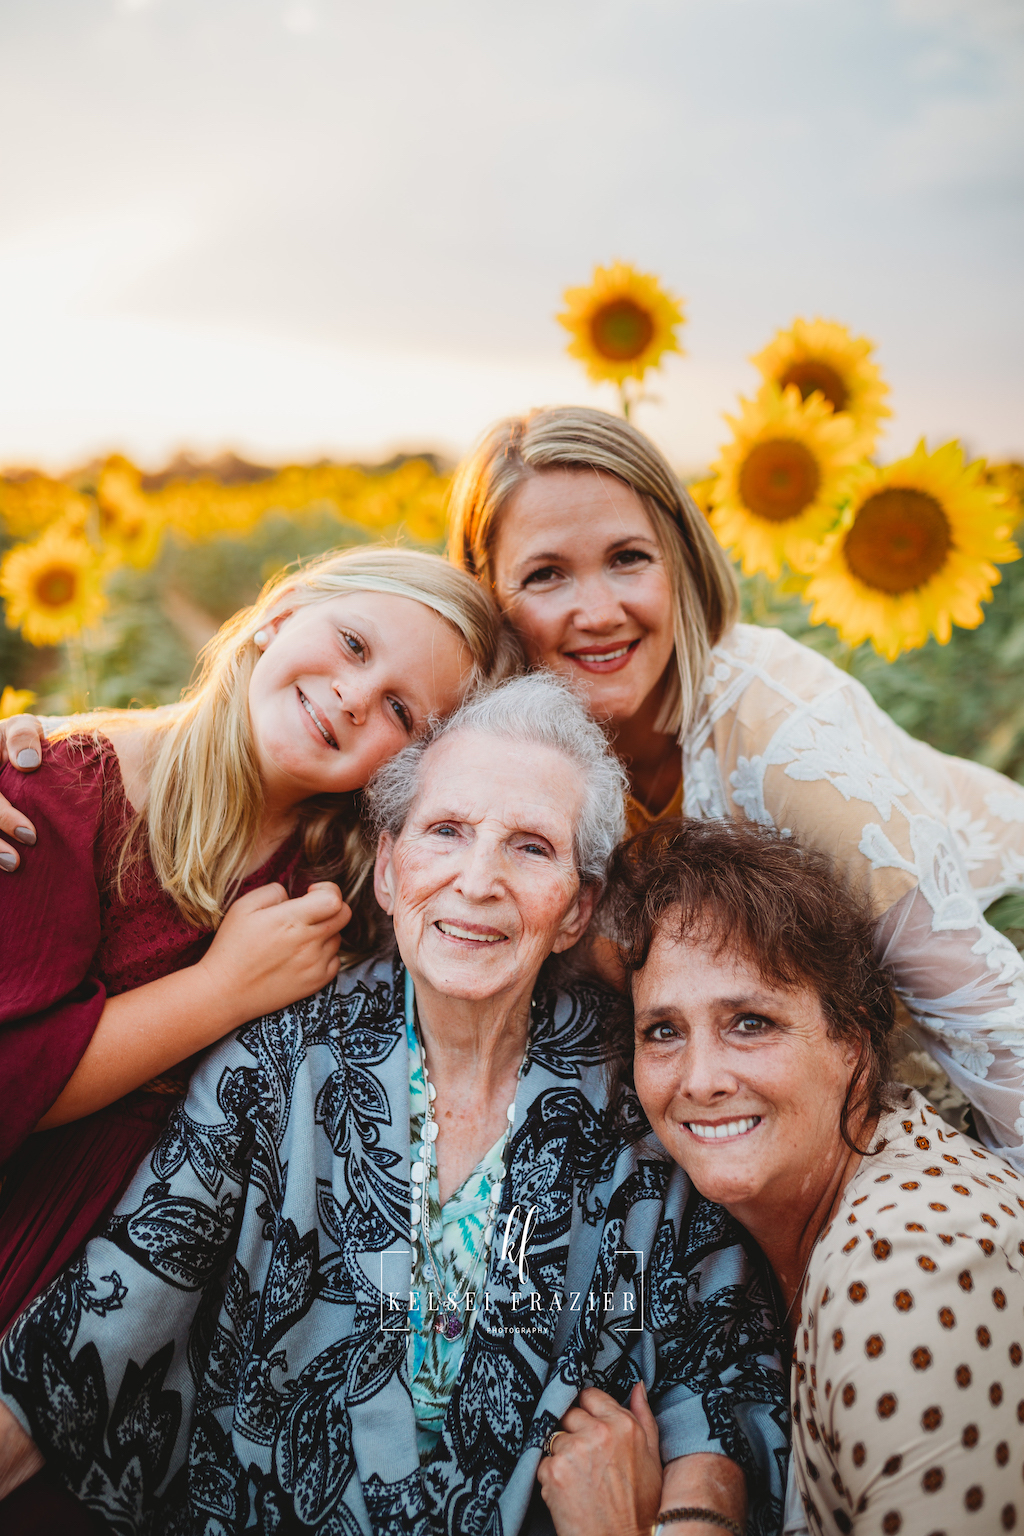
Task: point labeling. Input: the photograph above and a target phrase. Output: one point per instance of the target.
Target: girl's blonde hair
(204, 803)
(705, 591)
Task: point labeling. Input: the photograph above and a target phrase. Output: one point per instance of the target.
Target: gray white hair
(536, 710)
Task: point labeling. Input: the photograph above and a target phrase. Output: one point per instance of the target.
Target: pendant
(449, 1325)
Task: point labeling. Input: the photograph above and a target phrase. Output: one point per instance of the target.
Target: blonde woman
(612, 578)
(182, 880)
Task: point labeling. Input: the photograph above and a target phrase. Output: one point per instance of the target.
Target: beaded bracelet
(707, 1516)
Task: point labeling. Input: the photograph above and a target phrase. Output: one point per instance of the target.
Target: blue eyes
(357, 648)
(447, 829)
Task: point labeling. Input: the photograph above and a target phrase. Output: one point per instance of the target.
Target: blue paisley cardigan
(229, 1354)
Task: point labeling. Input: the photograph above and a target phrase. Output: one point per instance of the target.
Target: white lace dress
(789, 740)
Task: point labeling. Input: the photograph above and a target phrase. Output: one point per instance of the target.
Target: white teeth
(464, 933)
(607, 655)
(726, 1128)
(307, 706)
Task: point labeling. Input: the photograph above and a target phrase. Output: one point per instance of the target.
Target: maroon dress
(67, 943)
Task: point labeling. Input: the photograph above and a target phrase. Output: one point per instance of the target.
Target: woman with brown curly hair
(611, 577)
(760, 1046)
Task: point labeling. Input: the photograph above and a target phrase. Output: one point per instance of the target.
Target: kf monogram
(529, 1214)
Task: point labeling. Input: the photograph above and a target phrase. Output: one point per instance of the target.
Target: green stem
(624, 397)
(78, 667)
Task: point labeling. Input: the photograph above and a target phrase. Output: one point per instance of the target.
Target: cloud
(422, 182)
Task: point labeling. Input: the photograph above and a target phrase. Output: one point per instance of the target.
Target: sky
(307, 228)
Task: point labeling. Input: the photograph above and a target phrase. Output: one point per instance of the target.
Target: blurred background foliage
(113, 580)
(964, 697)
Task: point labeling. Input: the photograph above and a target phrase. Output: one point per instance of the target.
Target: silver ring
(550, 1441)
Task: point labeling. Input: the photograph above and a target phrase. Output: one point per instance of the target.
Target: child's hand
(21, 744)
(271, 950)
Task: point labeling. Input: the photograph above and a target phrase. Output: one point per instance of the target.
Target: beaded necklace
(449, 1323)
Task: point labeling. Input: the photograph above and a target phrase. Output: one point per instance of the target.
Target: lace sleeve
(930, 840)
(964, 986)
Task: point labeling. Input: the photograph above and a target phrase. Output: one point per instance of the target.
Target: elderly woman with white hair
(396, 1231)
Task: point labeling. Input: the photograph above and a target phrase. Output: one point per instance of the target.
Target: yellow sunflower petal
(15, 701)
(130, 520)
(821, 357)
(621, 325)
(779, 485)
(701, 490)
(1009, 479)
(30, 503)
(914, 554)
(54, 587)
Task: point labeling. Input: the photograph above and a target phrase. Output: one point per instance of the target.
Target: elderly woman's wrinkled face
(739, 1079)
(481, 882)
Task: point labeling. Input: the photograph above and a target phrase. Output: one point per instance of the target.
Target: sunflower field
(112, 580)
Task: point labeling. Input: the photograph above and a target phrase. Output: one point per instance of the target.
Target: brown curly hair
(747, 888)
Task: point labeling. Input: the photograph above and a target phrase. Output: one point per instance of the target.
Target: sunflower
(781, 480)
(130, 522)
(912, 555)
(53, 588)
(15, 701)
(702, 492)
(821, 357)
(1009, 478)
(30, 503)
(622, 324)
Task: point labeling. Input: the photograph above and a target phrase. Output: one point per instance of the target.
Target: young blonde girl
(183, 875)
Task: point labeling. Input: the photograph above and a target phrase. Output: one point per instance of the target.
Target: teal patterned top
(458, 1249)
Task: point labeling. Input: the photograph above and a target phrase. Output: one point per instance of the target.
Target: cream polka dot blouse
(908, 1382)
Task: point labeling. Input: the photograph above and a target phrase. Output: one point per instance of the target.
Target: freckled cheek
(654, 609)
(542, 645)
(542, 628)
(655, 1086)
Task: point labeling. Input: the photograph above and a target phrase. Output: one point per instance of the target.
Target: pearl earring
(262, 638)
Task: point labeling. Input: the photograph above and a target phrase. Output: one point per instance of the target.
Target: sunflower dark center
(900, 539)
(779, 479)
(56, 586)
(810, 374)
(621, 330)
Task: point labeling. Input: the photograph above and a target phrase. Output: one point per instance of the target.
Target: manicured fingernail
(8, 861)
(643, 1389)
(28, 757)
(25, 835)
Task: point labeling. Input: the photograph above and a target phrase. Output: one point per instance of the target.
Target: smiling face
(739, 1079)
(481, 882)
(581, 575)
(344, 684)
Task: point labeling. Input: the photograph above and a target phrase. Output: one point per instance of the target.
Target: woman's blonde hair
(204, 803)
(706, 595)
